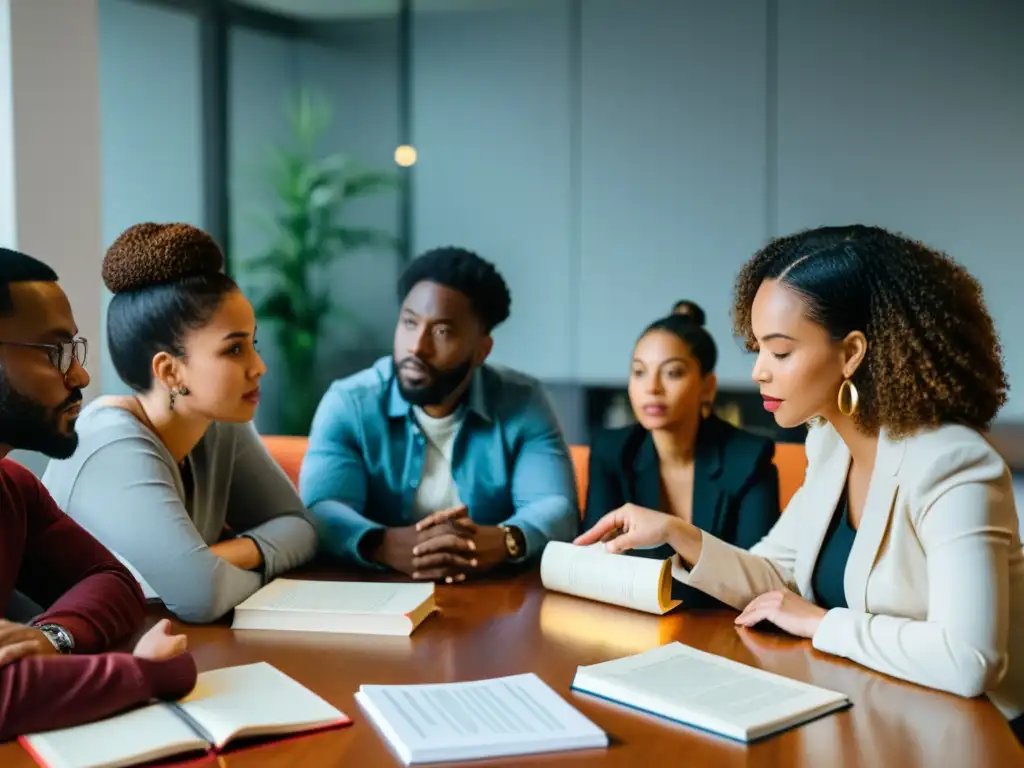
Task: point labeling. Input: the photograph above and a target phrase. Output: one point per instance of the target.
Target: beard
(31, 426)
(439, 386)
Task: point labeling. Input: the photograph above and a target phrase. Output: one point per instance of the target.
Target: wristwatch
(515, 542)
(60, 637)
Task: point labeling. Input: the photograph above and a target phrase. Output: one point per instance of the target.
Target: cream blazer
(935, 578)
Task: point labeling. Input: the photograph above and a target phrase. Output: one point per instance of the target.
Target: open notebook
(707, 691)
(631, 582)
(253, 700)
(482, 719)
(351, 607)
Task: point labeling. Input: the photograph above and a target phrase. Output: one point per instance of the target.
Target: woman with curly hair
(901, 551)
(173, 478)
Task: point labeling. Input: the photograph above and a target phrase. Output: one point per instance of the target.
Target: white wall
(150, 109)
(925, 134)
(672, 167)
(613, 165)
(493, 112)
(50, 148)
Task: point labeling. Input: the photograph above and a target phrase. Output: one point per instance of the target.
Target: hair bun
(690, 311)
(155, 254)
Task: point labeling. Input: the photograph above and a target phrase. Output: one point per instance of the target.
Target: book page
(632, 582)
(679, 677)
(254, 700)
(145, 734)
(487, 713)
(338, 597)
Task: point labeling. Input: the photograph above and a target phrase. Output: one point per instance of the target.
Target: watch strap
(61, 639)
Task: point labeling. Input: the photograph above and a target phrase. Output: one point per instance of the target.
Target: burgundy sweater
(46, 556)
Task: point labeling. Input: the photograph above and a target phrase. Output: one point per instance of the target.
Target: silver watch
(61, 639)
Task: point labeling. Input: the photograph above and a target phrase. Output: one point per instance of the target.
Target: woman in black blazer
(680, 458)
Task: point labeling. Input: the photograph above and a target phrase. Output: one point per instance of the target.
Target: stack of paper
(506, 716)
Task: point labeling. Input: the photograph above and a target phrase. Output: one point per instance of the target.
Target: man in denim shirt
(432, 463)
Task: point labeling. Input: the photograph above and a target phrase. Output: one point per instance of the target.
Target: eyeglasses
(61, 354)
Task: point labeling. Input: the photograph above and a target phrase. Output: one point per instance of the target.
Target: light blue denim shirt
(365, 459)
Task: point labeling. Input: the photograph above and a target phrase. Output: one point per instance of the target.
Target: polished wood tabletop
(496, 627)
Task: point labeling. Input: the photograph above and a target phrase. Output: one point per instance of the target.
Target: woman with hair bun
(681, 460)
(901, 551)
(162, 474)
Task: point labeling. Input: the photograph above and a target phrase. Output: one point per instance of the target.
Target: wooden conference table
(507, 626)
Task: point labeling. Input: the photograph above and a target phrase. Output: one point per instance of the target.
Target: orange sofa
(789, 458)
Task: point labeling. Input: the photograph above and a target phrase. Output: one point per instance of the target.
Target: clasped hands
(633, 526)
(445, 545)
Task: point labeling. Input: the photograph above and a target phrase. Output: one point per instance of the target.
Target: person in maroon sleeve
(53, 673)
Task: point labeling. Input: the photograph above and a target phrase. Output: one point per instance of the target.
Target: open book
(249, 701)
(352, 607)
(707, 691)
(517, 715)
(632, 582)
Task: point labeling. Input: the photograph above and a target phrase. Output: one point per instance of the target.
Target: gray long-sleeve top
(124, 487)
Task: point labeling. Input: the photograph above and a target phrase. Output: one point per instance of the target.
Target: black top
(735, 485)
(830, 569)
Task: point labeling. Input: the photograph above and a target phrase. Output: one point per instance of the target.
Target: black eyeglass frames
(61, 354)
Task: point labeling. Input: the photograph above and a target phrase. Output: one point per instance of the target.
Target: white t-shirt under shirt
(437, 489)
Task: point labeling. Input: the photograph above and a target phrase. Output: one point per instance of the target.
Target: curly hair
(933, 354)
(151, 254)
(166, 280)
(467, 273)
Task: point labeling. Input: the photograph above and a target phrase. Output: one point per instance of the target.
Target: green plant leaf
(277, 305)
(369, 183)
(307, 230)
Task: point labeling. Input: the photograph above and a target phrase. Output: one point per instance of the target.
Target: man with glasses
(91, 601)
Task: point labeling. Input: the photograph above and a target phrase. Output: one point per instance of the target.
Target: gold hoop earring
(705, 410)
(848, 392)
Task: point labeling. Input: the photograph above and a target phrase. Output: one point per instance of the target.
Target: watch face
(510, 543)
(59, 637)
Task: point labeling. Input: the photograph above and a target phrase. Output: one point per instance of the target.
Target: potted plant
(308, 234)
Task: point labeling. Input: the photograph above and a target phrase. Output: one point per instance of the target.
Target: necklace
(152, 428)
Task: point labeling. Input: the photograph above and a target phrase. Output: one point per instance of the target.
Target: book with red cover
(242, 702)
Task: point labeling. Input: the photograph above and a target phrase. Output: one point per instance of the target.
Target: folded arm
(333, 480)
(961, 647)
(83, 587)
(263, 506)
(142, 518)
(46, 692)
